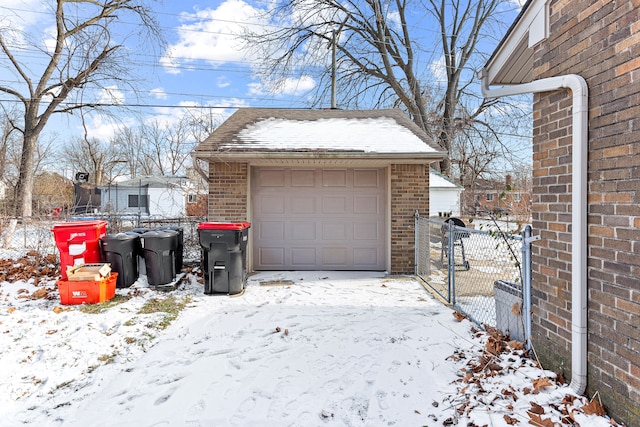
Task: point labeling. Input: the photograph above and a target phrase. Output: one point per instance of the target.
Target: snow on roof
(377, 135)
(437, 180)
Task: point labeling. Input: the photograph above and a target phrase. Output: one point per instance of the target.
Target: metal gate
(479, 268)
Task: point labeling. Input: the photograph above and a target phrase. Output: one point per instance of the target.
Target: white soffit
(512, 62)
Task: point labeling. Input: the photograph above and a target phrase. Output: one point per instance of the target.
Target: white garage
(319, 219)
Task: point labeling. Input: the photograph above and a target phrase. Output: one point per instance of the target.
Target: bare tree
(85, 55)
(378, 55)
(101, 160)
(133, 148)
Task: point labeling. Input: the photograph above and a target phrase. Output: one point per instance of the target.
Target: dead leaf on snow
(594, 408)
(459, 316)
(40, 293)
(11, 310)
(538, 421)
(516, 345)
(536, 409)
(51, 331)
(510, 421)
(540, 383)
(57, 309)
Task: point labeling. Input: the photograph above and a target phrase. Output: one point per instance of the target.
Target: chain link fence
(19, 236)
(477, 268)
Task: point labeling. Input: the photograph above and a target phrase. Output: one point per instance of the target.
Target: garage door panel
(303, 230)
(271, 204)
(334, 178)
(271, 230)
(367, 204)
(335, 256)
(303, 205)
(319, 219)
(334, 231)
(271, 178)
(303, 178)
(366, 231)
(368, 178)
(271, 257)
(334, 205)
(303, 257)
(366, 257)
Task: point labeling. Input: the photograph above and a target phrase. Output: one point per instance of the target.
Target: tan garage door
(318, 219)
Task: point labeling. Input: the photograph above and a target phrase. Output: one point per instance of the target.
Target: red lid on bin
(223, 225)
(79, 224)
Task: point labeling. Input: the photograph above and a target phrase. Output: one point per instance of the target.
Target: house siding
(600, 41)
(409, 192)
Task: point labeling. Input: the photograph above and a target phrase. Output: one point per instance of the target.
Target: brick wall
(409, 192)
(227, 192)
(599, 40)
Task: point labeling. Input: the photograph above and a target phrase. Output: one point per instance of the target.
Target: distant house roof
(151, 182)
(255, 132)
(440, 181)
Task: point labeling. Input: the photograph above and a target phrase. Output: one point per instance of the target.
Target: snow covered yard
(297, 349)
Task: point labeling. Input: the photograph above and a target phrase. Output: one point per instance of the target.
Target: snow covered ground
(297, 349)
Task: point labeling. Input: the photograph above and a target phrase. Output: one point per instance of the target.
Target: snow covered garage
(323, 189)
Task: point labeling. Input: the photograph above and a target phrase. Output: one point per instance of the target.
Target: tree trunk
(24, 190)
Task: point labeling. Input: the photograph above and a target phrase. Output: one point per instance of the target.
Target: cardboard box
(88, 272)
(87, 292)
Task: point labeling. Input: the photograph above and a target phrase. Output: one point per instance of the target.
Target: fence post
(416, 252)
(526, 283)
(451, 262)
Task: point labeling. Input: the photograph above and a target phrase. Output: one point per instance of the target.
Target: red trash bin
(78, 242)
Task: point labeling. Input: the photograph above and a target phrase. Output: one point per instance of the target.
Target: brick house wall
(228, 183)
(599, 40)
(409, 192)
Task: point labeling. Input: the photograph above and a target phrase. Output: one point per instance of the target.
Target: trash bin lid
(223, 225)
(79, 225)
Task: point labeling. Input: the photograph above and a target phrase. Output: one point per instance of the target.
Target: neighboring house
(323, 189)
(490, 196)
(3, 190)
(146, 196)
(581, 59)
(444, 195)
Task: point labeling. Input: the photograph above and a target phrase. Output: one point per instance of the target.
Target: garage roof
(262, 132)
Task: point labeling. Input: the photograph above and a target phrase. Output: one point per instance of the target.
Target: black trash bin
(159, 249)
(142, 270)
(121, 251)
(224, 259)
(180, 247)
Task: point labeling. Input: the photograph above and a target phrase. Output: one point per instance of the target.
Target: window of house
(489, 197)
(136, 201)
(192, 198)
(516, 197)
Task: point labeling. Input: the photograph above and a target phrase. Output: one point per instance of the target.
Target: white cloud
(111, 95)
(223, 82)
(438, 70)
(211, 35)
(159, 93)
(288, 86)
(104, 128)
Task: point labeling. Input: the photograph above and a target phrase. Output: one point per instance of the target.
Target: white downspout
(579, 90)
